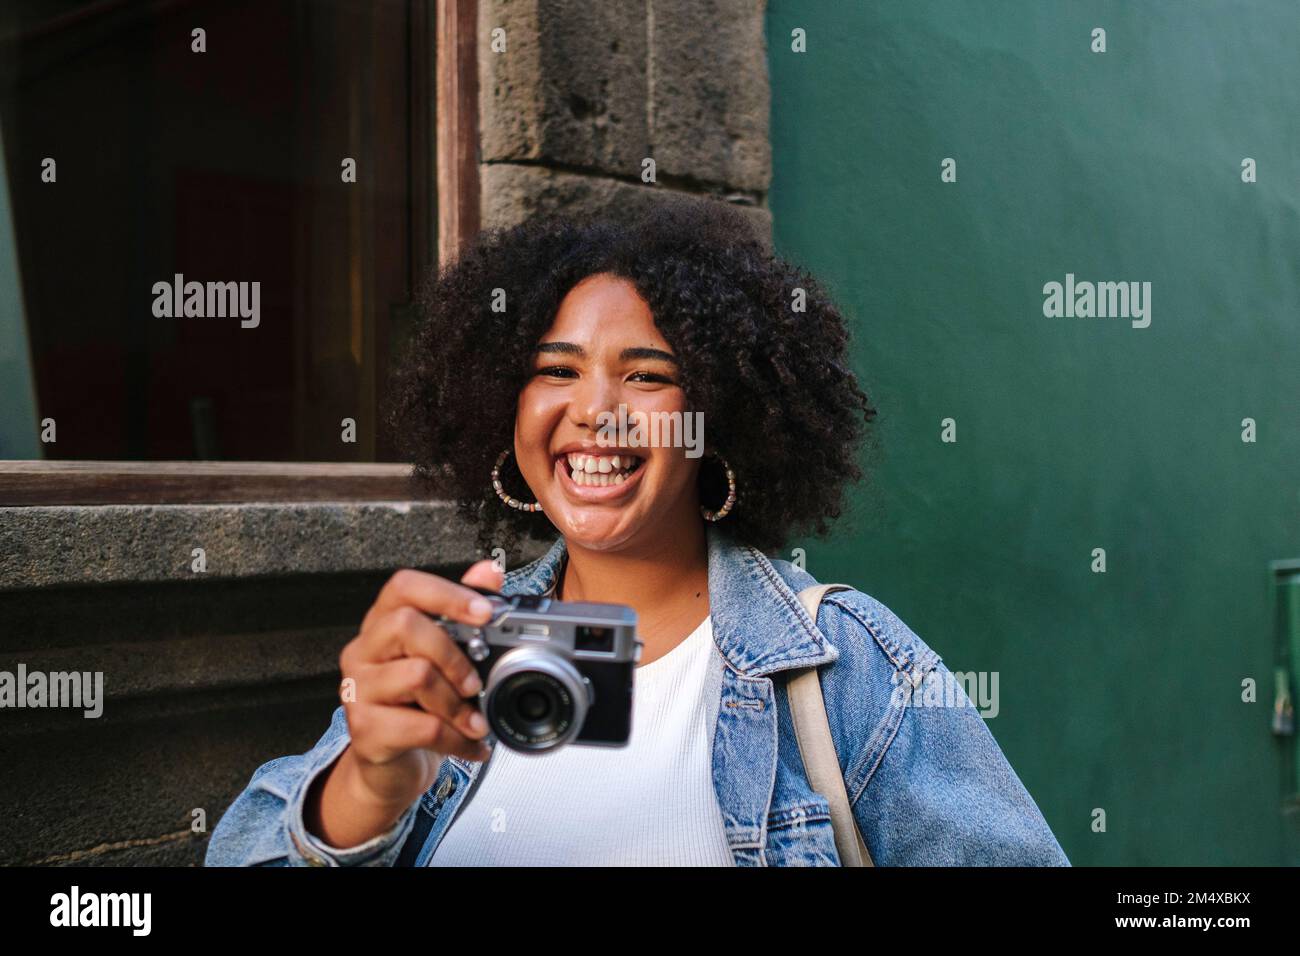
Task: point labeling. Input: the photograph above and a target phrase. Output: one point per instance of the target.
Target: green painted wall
(1120, 690)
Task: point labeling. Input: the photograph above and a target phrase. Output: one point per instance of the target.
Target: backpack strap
(817, 748)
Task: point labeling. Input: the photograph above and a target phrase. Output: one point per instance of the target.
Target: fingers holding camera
(417, 681)
(405, 632)
(382, 734)
(405, 684)
(433, 595)
(484, 574)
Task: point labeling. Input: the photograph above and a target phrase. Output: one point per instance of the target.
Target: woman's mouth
(598, 477)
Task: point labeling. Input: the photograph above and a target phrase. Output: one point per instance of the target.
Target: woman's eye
(651, 377)
(557, 371)
(564, 371)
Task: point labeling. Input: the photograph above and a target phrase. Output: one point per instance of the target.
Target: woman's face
(604, 350)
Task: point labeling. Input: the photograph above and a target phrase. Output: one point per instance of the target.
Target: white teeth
(594, 471)
(599, 479)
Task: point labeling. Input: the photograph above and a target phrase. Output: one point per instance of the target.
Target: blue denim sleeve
(264, 826)
(928, 782)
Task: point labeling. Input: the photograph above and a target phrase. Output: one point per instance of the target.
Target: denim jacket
(928, 784)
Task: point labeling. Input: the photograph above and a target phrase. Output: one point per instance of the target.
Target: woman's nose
(594, 396)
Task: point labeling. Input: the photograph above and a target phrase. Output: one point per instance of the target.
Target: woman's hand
(411, 706)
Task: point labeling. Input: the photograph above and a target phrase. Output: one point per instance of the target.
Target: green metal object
(1286, 583)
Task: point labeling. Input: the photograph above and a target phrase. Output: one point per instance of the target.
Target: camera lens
(535, 699)
(532, 705)
(533, 708)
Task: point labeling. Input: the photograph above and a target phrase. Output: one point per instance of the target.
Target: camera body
(553, 672)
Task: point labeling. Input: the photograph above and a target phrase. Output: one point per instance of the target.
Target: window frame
(444, 130)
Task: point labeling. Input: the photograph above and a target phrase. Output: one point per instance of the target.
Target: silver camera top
(554, 672)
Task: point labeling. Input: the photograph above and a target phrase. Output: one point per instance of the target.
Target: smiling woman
(680, 308)
(529, 344)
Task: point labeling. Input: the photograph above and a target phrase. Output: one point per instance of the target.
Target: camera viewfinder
(599, 639)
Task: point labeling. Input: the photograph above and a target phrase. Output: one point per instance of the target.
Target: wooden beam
(24, 483)
(457, 126)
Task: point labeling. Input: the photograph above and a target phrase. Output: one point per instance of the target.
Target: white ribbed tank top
(651, 803)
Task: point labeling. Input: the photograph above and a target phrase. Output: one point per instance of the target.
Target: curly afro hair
(779, 400)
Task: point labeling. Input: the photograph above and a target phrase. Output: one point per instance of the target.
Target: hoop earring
(731, 494)
(501, 493)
